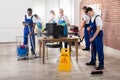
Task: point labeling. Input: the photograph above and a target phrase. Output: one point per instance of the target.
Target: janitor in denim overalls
(85, 25)
(29, 30)
(63, 20)
(96, 38)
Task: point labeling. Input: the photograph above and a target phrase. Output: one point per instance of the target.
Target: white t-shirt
(52, 17)
(86, 18)
(29, 17)
(98, 21)
(37, 20)
(63, 18)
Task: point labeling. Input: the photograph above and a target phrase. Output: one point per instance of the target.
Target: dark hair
(35, 15)
(88, 9)
(84, 7)
(29, 9)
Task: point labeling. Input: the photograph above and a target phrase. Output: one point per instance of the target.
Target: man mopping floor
(96, 39)
(29, 25)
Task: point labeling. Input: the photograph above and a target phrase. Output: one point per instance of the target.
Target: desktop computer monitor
(52, 29)
(60, 29)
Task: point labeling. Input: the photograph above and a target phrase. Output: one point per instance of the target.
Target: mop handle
(31, 37)
(92, 50)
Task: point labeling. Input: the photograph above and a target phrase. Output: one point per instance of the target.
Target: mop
(94, 72)
(32, 42)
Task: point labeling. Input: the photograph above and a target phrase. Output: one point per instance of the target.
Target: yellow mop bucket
(64, 62)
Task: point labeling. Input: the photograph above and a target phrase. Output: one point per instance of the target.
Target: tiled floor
(11, 69)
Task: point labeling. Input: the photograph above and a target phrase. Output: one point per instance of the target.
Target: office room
(59, 39)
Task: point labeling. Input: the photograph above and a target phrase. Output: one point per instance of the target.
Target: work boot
(86, 49)
(90, 64)
(99, 67)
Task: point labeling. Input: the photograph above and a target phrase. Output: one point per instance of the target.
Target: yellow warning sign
(64, 63)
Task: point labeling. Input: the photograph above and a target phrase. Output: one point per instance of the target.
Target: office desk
(63, 39)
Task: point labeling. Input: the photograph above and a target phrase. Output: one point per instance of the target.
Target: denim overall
(97, 44)
(87, 36)
(27, 30)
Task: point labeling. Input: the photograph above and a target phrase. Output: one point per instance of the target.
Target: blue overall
(87, 36)
(27, 30)
(63, 23)
(97, 44)
(53, 21)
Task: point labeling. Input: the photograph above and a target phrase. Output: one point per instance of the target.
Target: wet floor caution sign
(64, 62)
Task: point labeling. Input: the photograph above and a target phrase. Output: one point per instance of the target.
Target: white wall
(39, 8)
(66, 5)
(70, 7)
(11, 15)
(51, 5)
(76, 12)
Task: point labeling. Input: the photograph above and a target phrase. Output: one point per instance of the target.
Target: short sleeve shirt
(86, 18)
(29, 17)
(98, 21)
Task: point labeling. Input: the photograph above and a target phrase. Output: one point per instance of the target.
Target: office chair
(53, 45)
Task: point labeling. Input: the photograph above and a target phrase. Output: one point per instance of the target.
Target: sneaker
(86, 49)
(33, 53)
(25, 58)
(90, 64)
(99, 67)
